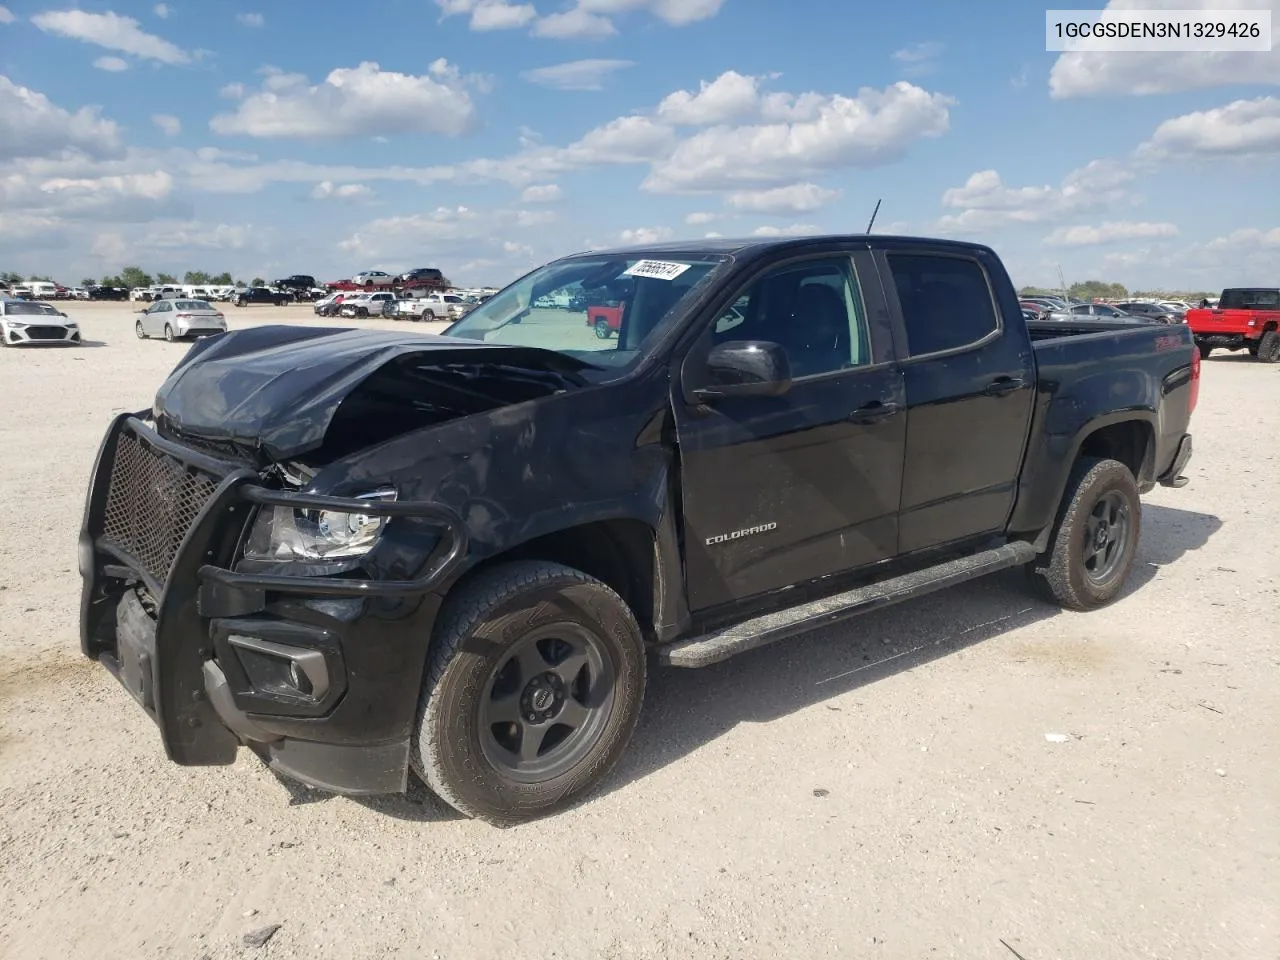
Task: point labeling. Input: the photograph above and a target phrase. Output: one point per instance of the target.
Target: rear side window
(946, 301)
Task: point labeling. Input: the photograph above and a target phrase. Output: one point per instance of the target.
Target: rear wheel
(1269, 347)
(533, 688)
(168, 333)
(602, 329)
(138, 331)
(1097, 537)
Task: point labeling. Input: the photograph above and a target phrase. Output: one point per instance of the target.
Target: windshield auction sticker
(657, 269)
(1125, 30)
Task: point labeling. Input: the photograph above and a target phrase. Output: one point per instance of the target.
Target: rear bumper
(318, 675)
(1173, 476)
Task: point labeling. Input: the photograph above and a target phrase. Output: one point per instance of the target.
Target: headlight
(71, 324)
(292, 533)
(15, 325)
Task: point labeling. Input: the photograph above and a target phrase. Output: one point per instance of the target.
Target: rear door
(781, 490)
(970, 381)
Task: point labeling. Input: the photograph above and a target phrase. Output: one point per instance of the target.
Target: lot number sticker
(657, 269)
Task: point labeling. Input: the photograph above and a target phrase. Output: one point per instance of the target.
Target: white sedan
(373, 278)
(175, 319)
(32, 322)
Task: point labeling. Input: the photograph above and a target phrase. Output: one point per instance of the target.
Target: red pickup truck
(1246, 318)
(605, 319)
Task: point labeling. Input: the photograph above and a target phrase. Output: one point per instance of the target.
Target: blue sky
(485, 136)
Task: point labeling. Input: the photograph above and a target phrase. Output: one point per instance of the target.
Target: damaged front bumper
(319, 675)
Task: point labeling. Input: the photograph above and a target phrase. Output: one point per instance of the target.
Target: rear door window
(946, 302)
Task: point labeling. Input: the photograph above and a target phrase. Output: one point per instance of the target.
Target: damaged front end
(238, 603)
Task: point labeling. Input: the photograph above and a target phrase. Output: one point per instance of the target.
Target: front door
(781, 490)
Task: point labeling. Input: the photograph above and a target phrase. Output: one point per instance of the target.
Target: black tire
(138, 331)
(168, 333)
(429, 316)
(602, 329)
(1205, 350)
(1269, 347)
(493, 637)
(362, 313)
(1096, 539)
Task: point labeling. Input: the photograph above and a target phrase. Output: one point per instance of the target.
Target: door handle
(874, 412)
(1002, 385)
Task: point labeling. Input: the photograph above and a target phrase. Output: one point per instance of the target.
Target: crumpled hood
(277, 388)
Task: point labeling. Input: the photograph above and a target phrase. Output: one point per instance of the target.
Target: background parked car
(1151, 311)
(375, 278)
(299, 284)
(251, 296)
(364, 304)
(35, 323)
(178, 319)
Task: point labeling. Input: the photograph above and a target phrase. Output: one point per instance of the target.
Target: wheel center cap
(1102, 536)
(543, 697)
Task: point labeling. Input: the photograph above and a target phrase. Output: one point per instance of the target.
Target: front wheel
(1097, 537)
(533, 688)
(138, 331)
(1269, 347)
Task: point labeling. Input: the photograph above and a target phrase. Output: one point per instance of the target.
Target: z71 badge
(739, 534)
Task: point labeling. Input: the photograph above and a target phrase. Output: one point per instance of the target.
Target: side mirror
(746, 368)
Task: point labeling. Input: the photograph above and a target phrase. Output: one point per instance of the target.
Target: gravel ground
(884, 789)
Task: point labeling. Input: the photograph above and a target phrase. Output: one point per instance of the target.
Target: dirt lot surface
(886, 789)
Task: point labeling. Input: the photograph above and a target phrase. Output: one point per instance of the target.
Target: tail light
(220, 316)
(1195, 380)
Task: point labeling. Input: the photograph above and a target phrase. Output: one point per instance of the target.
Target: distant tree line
(137, 277)
(1101, 290)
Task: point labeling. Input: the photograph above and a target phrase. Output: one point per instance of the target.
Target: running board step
(715, 647)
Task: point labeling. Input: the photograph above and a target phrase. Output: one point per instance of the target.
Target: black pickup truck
(360, 553)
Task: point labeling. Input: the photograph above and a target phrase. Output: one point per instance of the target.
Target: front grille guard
(187, 483)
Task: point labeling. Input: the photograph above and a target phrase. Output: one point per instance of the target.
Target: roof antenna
(873, 216)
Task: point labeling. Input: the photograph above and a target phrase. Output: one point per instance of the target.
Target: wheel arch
(620, 552)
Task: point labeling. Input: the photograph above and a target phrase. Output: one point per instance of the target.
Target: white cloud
(534, 218)
(1138, 74)
(460, 240)
(361, 101)
(797, 198)
(234, 91)
(645, 235)
(823, 133)
(6, 15)
(251, 19)
(162, 10)
(712, 235)
(519, 249)
(919, 58)
(731, 96)
(1108, 232)
(325, 190)
(986, 202)
(489, 14)
(577, 24)
(1241, 128)
(62, 201)
(795, 230)
(111, 64)
(542, 193)
(698, 219)
(1245, 238)
(918, 52)
(576, 74)
(32, 126)
(112, 31)
(625, 140)
(171, 126)
(677, 13)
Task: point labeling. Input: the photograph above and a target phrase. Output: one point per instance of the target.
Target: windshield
(604, 310)
(31, 309)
